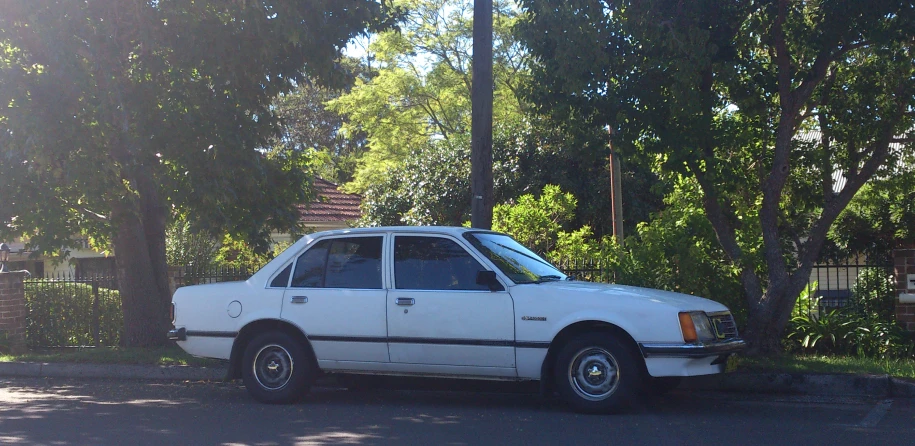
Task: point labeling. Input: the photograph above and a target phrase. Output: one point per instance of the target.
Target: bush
(61, 314)
(864, 328)
(874, 294)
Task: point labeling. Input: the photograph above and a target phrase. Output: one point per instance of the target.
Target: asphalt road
(97, 412)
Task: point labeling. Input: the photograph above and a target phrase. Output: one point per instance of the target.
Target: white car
(446, 302)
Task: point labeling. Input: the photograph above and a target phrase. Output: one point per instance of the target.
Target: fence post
(95, 314)
(904, 260)
(13, 311)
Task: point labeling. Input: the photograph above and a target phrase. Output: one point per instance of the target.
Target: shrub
(62, 314)
(874, 294)
(864, 328)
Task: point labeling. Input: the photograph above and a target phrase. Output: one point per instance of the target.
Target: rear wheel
(277, 369)
(596, 372)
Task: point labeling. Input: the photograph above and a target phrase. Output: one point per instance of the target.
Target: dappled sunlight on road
(422, 418)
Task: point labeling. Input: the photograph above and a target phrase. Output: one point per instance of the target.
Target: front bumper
(698, 350)
(177, 334)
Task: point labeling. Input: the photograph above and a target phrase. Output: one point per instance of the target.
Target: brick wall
(904, 260)
(12, 310)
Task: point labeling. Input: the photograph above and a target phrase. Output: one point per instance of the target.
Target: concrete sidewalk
(876, 386)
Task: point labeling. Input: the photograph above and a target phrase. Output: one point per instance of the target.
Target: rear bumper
(725, 348)
(177, 334)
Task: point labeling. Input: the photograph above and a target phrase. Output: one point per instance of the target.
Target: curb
(112, 371)
(878, 386)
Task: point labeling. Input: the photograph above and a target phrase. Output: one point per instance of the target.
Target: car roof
(453, 230)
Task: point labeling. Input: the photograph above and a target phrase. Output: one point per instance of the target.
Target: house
(332, 209)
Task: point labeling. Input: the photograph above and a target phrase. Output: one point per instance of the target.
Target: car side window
(434, 263)
(353, 262)
(281, 279)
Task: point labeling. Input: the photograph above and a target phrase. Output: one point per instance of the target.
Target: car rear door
(336, 295)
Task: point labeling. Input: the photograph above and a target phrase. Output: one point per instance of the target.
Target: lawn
(900, 368)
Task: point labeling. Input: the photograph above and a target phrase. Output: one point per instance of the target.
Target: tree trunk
(139, 247)
(768, 320)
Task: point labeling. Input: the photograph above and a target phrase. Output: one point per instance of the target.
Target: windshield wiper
(547, 278)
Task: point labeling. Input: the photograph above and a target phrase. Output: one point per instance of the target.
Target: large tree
(718, 90)
(118, 114)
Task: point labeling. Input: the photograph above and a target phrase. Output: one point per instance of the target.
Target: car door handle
(405, 301)
(299, 299)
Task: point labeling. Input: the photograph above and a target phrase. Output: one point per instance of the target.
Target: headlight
(696, 327)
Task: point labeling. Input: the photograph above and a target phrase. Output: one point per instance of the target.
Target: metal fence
(72, 311)
(188, 275)
(834, 281)
(591, 270)
(78, 310)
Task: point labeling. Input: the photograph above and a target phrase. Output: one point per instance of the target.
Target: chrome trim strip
(431, 341)
(213, 334)
(692, 350)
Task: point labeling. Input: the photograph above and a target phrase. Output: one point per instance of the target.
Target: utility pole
(481, 118)
(616, 191)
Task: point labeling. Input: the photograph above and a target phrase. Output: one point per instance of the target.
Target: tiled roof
(331, 204)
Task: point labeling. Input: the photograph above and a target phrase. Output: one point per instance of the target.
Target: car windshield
(520, 264)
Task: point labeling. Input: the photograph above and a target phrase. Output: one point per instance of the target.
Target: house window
(34, 267)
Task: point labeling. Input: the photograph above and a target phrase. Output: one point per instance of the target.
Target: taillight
(171, 312)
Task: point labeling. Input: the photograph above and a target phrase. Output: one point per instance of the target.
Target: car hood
(600, 291)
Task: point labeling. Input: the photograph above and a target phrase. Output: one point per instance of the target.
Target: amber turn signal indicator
(688, 328)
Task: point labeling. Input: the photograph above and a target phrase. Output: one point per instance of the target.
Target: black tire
(597, 373)
(277, 369)
(660, 385)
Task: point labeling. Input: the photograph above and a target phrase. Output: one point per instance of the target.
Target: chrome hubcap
(594, 374)
(273, 367)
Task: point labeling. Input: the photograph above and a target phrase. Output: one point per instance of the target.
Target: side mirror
(489, 279)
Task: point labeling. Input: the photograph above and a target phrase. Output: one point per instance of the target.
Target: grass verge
(168, 355)
(900, 368)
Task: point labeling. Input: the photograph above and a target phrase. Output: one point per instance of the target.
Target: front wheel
(276, 369)
(596, 372)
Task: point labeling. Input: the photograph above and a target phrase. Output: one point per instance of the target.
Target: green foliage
(186, 247)
(308, 125)
(808, 304)
(239, 254)
(419, 92)
(5, 343)
(874, 294)
(63, 314)
(675, 251)
(722, 92)
(431, 187)
(537, 222)
(879, 217)
(866, 327)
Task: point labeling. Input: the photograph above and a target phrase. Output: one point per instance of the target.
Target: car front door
(336, 296)
(439, 316)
